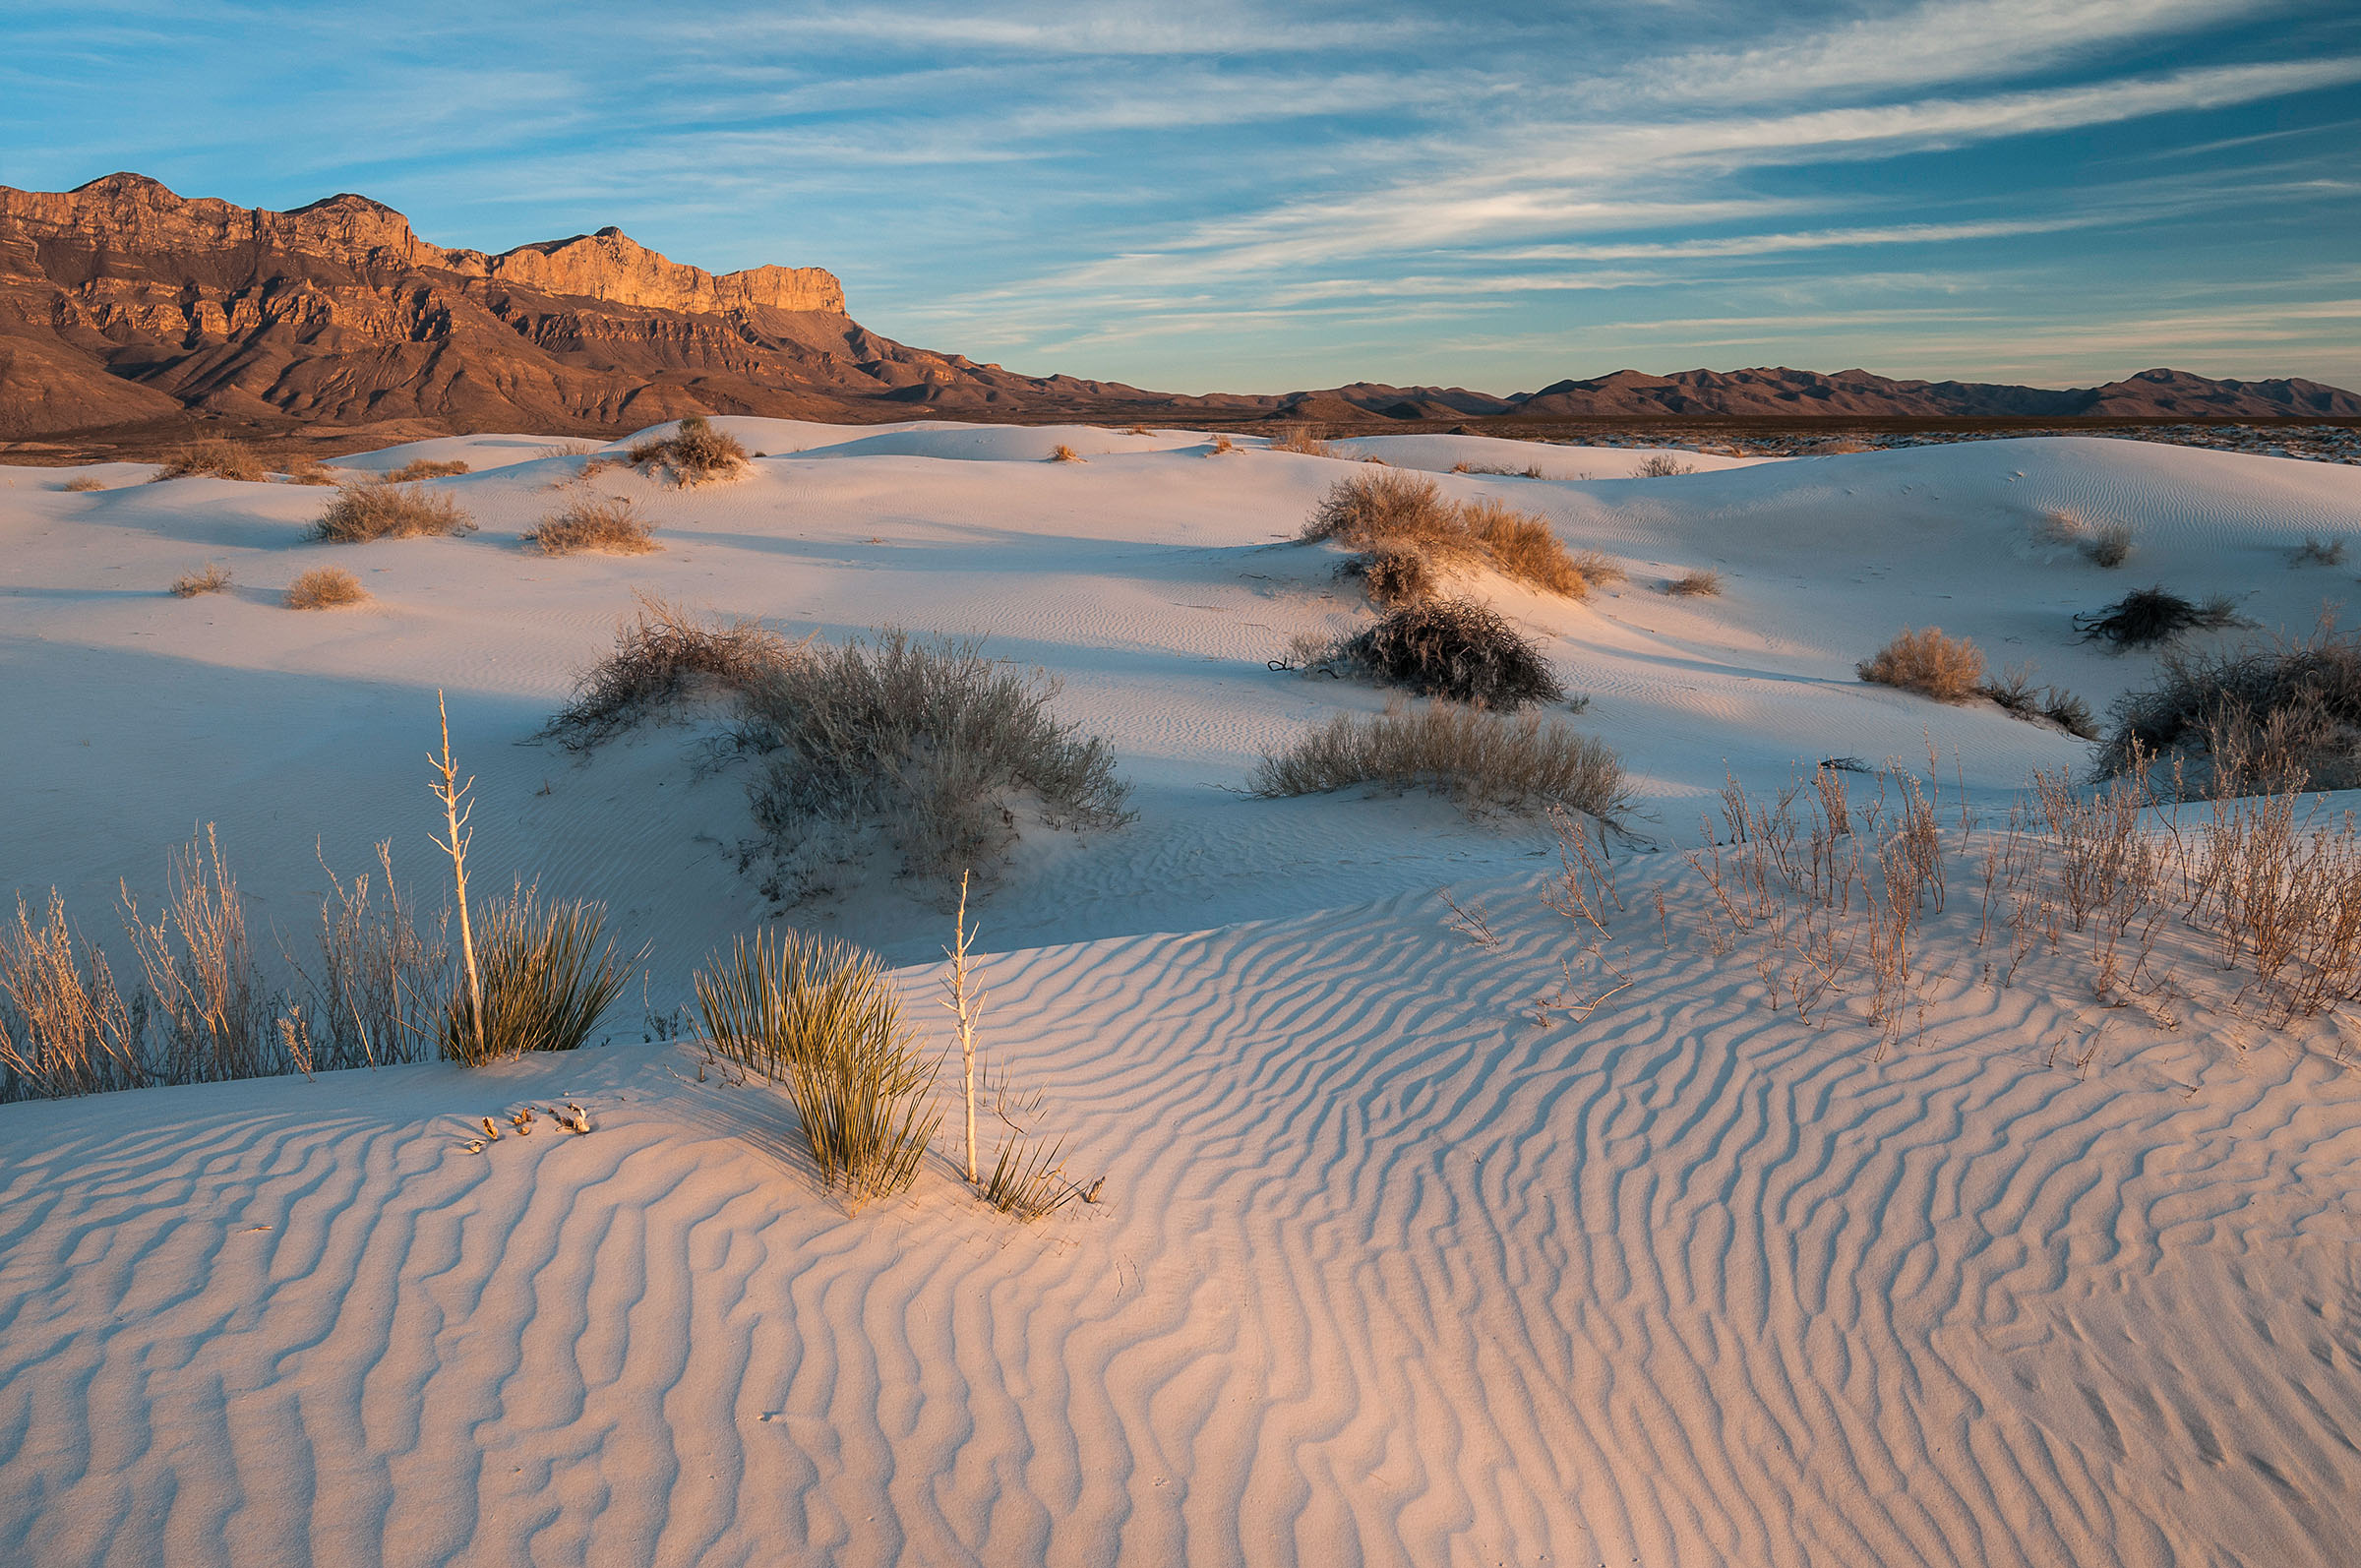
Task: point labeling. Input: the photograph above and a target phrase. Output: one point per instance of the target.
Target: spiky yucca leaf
(547, 976)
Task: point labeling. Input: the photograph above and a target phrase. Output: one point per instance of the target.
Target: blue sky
(1264, 197)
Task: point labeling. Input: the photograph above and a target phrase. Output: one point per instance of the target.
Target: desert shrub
(380, 510)
(425, 469)
(2017, 696)
(1455, 648)
(1222, 445)
(1663, 466)
(65, 1028)
(1597, 569)
(695, 453)
(212, 578)
(2265, 716)
(1928, 663)
(547, 980)
(1392, 577)
(1399, 513)
(216, 458)
(310, 471)
(1371, 511)
(2146, 616)
(325, 588)
(928, 740)
(1303, 439)
(2109, 544)
(1703, 582)
(663, 656)
(1137, 430)
(214, 1015)
(1522, 546)
(1482, 760)
(1528, 471)
(1062, 453)
(2106, 543)
(612, 524)
(84, 484)
(378, 986)
(2317, 553)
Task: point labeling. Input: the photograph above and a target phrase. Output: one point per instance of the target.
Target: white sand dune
(1385, 1271)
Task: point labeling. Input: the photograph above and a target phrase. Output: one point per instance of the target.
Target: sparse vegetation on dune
(664, 655)
(609, 525)
(384, 509)
(2262, 717)
(926, 741)
(310, 471)
(1410, 534)
(1223, 446)
(2017, 696)
(2144, 617)
(1663, 466)
(547, 976)
(1303, 440)
(1062, 453)
(325, 588)
(1704, 582)
(214, 459)
(1947, 669)
(82, 484)
(212, 578)
(1453, 648)
(65, 1025)
(425, 469)
(695, 453)
(2317, 553)
(2103, 542)
(1484, 762)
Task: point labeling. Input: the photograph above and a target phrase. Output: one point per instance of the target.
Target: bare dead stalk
(456, 808)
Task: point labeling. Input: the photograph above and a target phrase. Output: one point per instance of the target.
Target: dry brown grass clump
(1221, 447)
(665, 656)
(1303, 440)
(1062, 453)
(212, 578)
(611, 524)
(2104, 543)
(83, 485)
(1703, 582)
(325, 588)
(1947, 669)
(695, 453)
(310, 471)
(379, 509)
(1395, 514)
(65, 1028)
(217, 459)
(1663, 466)
(425, 469)
(1482, 760)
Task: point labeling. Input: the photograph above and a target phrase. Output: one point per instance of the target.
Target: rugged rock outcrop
(122, 303)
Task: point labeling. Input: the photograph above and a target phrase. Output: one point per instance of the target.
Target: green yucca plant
(1028, 1179)
(819, 1015)
(547, 980)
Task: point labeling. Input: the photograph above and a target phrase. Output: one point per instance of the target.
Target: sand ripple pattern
(1387, 1274)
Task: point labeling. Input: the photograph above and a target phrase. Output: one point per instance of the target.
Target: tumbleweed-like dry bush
(1454, 648)
(1303, 440)
(695, 453)
(216, 458)
(325, 588)
(1704, 582)
(212, 578)
(610, 524)
(1947, 669)
(2145, 617)
(1062, 453)
(2271, 715)
(378, 508)
(1663, 466)
(666, 655)
(83, 485)
(1398, 514)
(426, 468)
(1484, 762)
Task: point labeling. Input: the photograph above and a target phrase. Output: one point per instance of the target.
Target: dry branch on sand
(1484, 762)
(380, 509)
(2145, 617)
(325, 588)
(212, 578)
(608, 524)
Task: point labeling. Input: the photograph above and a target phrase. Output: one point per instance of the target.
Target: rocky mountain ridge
(122, 302)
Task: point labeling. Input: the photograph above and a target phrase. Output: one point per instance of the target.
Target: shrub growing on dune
(310, 471)
(1453, 648)
(378, 508)
(1947, 669)
(65, 1027)
(1303, 440)
(1062, 453)
(612, 525)
(426, 468)
(1397, 514)
(1663, 466)
(212, 578)
(547, 978)
(2283, 714)
(1392, 577)
(665, 656)
(1703, 582)
(84, 484)
(214, 459)
(2317, 553)
(1482, 760)
(821, 1016)
(695, 452)
(2148, 616)
(325, 588)
(926, 739)
(2017, 696)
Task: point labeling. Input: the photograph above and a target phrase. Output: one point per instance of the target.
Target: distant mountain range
(123, 304)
